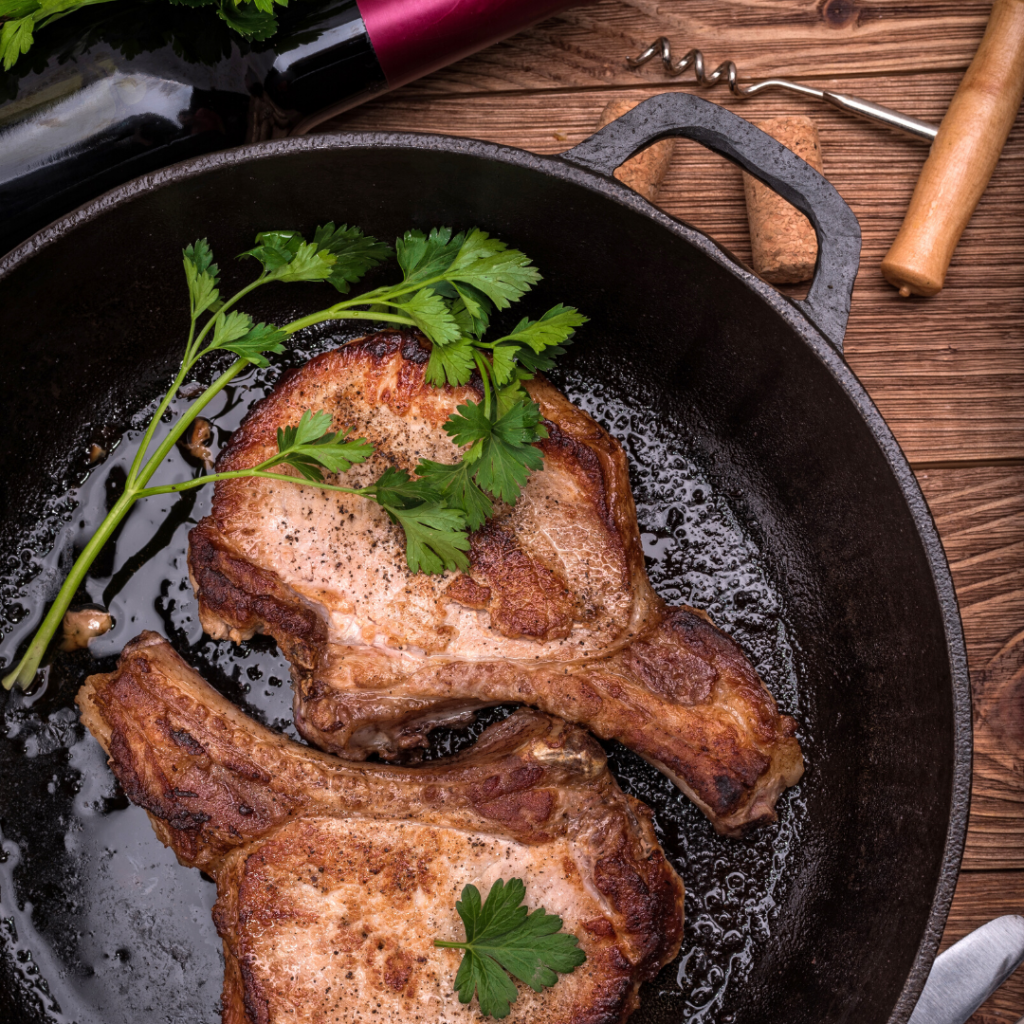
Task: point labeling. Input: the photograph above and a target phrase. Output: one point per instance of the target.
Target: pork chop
(556, 610)
(334, 878)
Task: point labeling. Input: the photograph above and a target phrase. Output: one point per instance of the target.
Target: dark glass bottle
(113, 91)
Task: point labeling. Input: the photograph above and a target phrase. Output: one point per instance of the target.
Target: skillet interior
(93, 324)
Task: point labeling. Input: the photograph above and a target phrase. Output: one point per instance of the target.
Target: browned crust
(372, 356)
(248, 904)
(525, 598)
(682, 695)
(577, 440)
(250, 600)
(676, 690)
(216, 784)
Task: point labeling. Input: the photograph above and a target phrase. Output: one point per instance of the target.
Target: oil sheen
(98, 922)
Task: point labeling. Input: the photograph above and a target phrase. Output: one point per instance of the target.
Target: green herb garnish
(502, 936)
(450, 286)
(253, 19)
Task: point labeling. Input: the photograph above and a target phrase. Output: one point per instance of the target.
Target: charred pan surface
(333, 878)
(556, 610)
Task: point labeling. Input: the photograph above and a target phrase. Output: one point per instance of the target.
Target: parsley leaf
(274, 249)
(476, 307)
(500, 933)
(435, 535)
(230, 327)
(555, 327)
(287, 256)
(475, 270)
(247, 20)
(354, 252)
(432, 316)
(308, 263)
(396, 489)
(535, 344)
(503, 359)
(338, 255)
(490, 266)
(235, 332)
(311, 448)
(512, 395)
(455, 485)
(201, 273)
(16, 38)
(501, 449)
(452, 363)
(259, 339)
(423, 257)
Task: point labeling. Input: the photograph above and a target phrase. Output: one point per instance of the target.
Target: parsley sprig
(253, 19)
(501, 935)
(451, 284)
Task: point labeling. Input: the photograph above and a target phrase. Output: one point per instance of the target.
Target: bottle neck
(414, 37)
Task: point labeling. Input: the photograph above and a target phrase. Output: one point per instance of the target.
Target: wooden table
(946, 372)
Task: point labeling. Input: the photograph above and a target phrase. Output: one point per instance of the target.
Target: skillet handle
(676, 113)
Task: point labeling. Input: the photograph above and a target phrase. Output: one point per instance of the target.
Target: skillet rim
(826, 352)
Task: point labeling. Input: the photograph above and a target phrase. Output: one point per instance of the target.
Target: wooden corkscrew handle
(963, 156)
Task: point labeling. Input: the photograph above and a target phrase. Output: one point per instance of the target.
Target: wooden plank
(980, 516)
(587, 45)
(980, 897)
(947, 372)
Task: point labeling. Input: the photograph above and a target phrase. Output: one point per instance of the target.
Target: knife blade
(969, 972)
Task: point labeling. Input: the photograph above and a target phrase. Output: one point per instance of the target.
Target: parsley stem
(154, 422)
(51, 18)
(384, 295)
(482, 366)
(187, 417)
(238, 474)
(190, 360)
(26, 669)
(211, 322)
(335, 313)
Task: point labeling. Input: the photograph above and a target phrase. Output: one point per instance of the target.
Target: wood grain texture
(946, 372)
(586, 45)
(980, 897)
(979, 512)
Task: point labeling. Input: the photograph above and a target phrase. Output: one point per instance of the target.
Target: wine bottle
(113, 91)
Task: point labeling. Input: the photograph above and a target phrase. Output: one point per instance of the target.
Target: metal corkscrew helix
(727, 70)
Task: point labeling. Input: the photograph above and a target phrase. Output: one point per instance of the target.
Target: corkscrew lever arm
(727, 71)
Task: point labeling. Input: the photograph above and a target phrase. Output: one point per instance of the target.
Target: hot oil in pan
(99, 923)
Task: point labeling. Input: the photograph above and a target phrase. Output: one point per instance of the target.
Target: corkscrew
(727, 71)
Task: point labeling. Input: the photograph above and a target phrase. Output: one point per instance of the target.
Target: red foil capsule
(414, 37)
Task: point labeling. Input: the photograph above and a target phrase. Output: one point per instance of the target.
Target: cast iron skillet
(764, 400)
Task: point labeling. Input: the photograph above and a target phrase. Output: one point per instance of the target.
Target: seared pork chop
(556, 610)
(334, 878)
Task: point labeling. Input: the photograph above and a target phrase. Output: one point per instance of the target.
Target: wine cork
(645, 171)
(784, 246)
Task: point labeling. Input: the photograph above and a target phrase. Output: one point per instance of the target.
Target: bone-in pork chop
(556, 610)
(334, 878)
